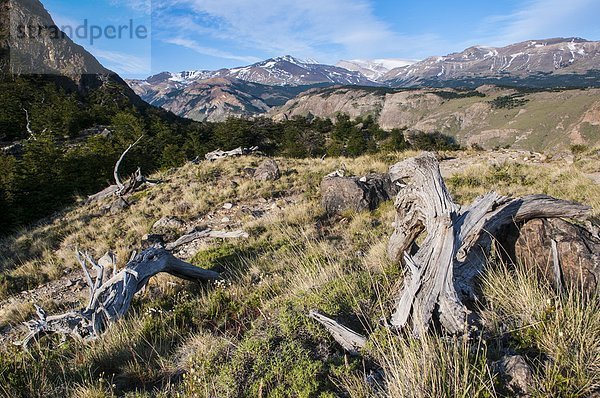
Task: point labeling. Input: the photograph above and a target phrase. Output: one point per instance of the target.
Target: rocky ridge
(490, 116)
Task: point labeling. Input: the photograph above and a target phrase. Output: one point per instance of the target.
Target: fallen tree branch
(207, 233)
(219, 154)
(109, 301)
(350, 341)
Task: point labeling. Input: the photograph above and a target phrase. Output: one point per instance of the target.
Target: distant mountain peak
(293, 60)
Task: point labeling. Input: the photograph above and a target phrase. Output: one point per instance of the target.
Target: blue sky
(212, 34)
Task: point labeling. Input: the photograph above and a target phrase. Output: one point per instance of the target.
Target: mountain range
(257, 88)
(398, 93)
(539, 63)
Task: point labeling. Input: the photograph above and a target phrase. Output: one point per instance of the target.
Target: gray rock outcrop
(340, 194)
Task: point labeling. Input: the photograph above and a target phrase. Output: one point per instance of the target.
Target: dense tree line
(56, 165)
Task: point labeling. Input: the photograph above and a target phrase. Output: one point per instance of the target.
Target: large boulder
(267, 171)
(578, 251)
(340, 194)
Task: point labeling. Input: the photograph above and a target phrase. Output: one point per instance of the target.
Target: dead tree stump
(442, 269)
(445, 247)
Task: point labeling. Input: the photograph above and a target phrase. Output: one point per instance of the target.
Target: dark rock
(515, 374)
(340, 194)
(249, 171)
(578, 252)
(267, 171)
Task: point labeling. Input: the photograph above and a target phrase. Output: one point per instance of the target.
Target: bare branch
(118, 164)
(28, 126)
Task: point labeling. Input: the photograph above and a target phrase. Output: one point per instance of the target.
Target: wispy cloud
(539, 19)
(326, 30)
(123, 63)
(213, 52)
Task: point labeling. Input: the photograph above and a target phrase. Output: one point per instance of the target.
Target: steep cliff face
(490, 117)
(38, 47)
(49, 83)
(32, 45)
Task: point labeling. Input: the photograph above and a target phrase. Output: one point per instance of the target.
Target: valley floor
(249, 335)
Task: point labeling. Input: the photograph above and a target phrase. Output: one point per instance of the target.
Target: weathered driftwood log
(219, 154)
(350, 341)
(339, 193)
(206, 233)
(443, 268)
(110, 300)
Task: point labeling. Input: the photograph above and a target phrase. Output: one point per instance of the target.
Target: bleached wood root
(207, 233)
(110, 300)
(350, 341)
(442, 270)
(219, 154)
(118, 164)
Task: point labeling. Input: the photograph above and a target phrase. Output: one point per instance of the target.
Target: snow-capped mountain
(248, 90)
(534, 59)
(213, 99)
(290, 71)
(374, 69)
(256, 88)
(280, 71)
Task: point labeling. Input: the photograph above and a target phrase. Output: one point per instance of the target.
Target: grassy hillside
(491, 117)
(249, 335)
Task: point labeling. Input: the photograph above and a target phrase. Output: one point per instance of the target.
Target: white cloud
(123, 63)
(541, 19)
(192, 45)
(139, 6)
(322, 29)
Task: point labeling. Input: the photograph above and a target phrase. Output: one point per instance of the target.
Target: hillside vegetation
(249, 335)
(491, 117)
(46, 171)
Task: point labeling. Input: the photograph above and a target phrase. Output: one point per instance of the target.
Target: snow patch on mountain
(376, 68)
